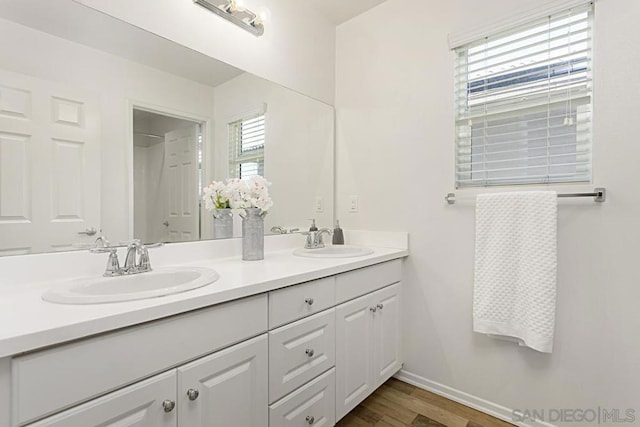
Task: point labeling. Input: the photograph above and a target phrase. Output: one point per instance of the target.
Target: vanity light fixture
(233, 11)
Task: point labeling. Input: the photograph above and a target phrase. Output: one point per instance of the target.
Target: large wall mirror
(108, 129)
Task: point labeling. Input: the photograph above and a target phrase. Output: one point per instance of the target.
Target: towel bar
(599, 195)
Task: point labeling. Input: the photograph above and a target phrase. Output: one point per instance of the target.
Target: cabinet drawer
(368, 279)
(296, 302)
(312, 404)
(50, 380)
(299, 352)
(136, 405)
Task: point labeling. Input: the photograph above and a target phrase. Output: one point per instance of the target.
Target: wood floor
(398, 404)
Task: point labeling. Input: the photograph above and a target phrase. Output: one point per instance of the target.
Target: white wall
(395, 149)
(114, 81)
(297, 49)
(298, 147)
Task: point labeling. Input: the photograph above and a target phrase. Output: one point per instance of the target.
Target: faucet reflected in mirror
(106, 151)
(278, 229)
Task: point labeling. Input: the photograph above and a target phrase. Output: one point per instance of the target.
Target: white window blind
(523, 104)
(246, 146)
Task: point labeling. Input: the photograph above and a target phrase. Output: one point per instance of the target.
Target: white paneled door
(49, 165)
(181, 178)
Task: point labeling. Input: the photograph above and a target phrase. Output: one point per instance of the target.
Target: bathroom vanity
(281, 342)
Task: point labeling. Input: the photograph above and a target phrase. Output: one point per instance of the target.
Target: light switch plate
(319, 204)
(353, 204)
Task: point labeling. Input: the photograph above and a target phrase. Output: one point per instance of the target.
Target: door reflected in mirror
(167, 177)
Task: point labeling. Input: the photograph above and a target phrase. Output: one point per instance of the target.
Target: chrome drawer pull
(380, 306)
(309, 301)
(309, 352)
(373, 308)
(310, 420)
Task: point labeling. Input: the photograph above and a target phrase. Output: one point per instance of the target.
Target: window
(523, 104)
(246, 146)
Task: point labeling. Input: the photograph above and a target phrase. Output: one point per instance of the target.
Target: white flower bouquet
(236, 193)
(249, 193)
(216, 196)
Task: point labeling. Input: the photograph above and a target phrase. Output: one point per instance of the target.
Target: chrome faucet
(314, 238)
(131, 266)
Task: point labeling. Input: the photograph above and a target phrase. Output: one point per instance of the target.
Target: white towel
(515, 268)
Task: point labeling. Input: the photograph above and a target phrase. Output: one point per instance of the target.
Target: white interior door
(181, 178)
(49, 165)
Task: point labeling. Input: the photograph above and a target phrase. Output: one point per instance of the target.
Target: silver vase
(222, 223)
(253, 234)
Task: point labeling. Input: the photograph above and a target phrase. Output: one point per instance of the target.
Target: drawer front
(94, 366)
(296, 302)
(139, 405)
(359, 282)
(299, 352)
(312, 404)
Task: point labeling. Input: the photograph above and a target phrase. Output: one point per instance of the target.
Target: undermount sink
(334, 251)
(156, 283)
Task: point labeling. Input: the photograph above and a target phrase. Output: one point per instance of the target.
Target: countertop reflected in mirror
(106, 129)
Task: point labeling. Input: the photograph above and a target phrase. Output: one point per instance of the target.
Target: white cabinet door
(227, 388)
(354, 353)
(386, 333)
(140, 405)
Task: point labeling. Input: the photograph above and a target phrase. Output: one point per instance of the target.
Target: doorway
(167, 177)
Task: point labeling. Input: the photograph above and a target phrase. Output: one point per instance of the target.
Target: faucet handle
(144, 264)
(103, 250)
(113, 264)
(311, 237)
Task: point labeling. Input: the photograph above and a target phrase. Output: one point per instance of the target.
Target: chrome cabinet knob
(373, 308)
(309, 352)
(168, 405)
(380, 306)
(310, 420)
(193, 394)
(309, 301)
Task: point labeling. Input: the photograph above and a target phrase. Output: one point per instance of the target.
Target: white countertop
(29, 323)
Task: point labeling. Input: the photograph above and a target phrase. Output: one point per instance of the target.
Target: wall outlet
(319, 204)
(353, 204)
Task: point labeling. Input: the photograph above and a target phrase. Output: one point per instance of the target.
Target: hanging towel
(515, 267)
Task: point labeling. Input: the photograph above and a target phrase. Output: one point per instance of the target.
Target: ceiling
(339, 11)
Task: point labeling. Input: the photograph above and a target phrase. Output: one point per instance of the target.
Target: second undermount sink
(156, 283)
(334, 251)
